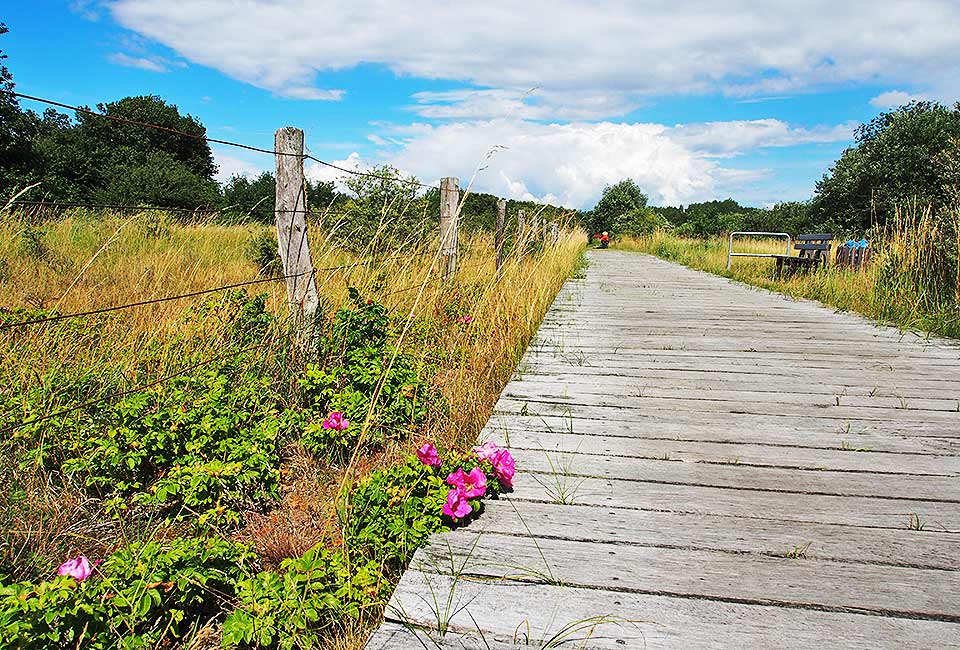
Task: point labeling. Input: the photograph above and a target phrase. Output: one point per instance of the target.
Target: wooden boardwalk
(706, 465)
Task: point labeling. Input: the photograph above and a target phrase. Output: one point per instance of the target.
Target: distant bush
(639, 222)
(705, 225)
(263, 251)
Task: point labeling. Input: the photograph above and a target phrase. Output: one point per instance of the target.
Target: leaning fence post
(449, 198)
(501, 222)
(521, 231)
(292, 241)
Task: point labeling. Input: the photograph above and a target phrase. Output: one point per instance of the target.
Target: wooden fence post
(521, 232)
(555, 232)
(501, 223)
(292, 241)
(449, 198)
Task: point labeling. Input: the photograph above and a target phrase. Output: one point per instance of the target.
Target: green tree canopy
(106, 136)
(255, 198)
(617, 200)
(16, 131)
(893, 162)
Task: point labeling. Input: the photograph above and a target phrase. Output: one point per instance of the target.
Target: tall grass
(912, 279)
(92, 260)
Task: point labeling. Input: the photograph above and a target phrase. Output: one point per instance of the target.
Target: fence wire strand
(197, 136)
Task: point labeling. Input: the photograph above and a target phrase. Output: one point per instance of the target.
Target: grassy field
(911, 280)
(183, 438)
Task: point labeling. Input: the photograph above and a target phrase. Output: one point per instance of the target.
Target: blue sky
(693, 101)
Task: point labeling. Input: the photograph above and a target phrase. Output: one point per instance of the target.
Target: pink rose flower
(486, 451)
(473, 483)
(78, 568)
(504, 467)
(335, 421)
(428, 455)
(456, 506)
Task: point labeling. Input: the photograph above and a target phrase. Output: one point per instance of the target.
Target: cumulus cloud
(567, 163)
(317, 172)
(570, 163)
(894, 98)
(620, 52)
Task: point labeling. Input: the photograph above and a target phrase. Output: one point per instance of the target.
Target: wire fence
(278, 210)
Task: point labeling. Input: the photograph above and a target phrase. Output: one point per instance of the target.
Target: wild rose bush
(198, 451)
(388, 517)
(142, 595)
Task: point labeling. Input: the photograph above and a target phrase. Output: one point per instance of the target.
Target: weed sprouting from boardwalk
(798, 552)
(560, 484)
(442, 603)
(915, 522)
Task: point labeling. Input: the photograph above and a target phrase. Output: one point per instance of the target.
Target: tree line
(907, 155)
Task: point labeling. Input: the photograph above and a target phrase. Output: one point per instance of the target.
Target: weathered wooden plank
(734, 369)
(850, 460)
(822, 408)
(772, 338)
(786, 350)
(848, 421)
(733, 577)
(774, 479)
(399, 636)
(680, 429)
(676, 380)
(744, 354)
(641, 621)
(735, 502)
(586, 391)
(926, 549)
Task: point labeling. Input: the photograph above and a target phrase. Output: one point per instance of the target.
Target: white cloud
(613, 52)
(532, 104)
(147, 62)
(309, 92)
(735, 137)
(230, 166)
(317, 172)
(894, 99)
(571, 163)
(88, 9)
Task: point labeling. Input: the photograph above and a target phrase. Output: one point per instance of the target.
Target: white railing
(731, 254)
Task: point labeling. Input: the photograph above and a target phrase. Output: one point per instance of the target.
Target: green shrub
(144, 596)
(206, 445)
(388, 517)
(309, 596)
(359, 351)
(639, 222)
(263, 252)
